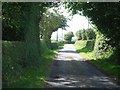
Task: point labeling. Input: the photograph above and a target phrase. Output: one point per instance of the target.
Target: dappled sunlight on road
(83, 81)
(71, 70)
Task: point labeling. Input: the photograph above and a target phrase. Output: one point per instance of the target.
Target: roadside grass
(85, 50)
(106, 64)
(16, 76)
(110, 67)
(35, 77)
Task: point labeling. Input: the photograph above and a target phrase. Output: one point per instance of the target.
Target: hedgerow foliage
(102, 49)
(105, 16)
(68, 37)
(86, 34)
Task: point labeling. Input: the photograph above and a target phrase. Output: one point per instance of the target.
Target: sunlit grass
(105, 64)
(34, 77)
(110, 67)
(86, 52)
(88, 55)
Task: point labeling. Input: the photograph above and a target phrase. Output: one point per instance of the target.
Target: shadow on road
(70, 51)
(77, 74)
(71, 70)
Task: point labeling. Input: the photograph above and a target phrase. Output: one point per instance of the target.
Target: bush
(101, 48)
(57, 45)
(79, 35)
(90, 34)
(13, 61)
(90, 45)
(86, 34)
(68, 37)
(54, 45)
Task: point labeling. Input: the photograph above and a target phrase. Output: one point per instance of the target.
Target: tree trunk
(32, 40)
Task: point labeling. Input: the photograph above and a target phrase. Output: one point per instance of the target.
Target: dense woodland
(27, 29)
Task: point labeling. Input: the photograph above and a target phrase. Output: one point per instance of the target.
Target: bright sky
(76, 23)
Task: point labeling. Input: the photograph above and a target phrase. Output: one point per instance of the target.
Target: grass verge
(16, 76)
(105, 64)
(34, 77)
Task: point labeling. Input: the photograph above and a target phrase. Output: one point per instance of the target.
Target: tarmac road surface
(71, 70)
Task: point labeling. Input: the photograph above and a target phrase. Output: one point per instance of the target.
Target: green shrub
(90, 34)
(57, 45)
(68, 37)
(13, 61)
(54, 45)
(101, 48)
(79, 35)
(84, 34)
(90, 45)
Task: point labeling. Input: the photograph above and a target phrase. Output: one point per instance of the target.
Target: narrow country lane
(71, 70)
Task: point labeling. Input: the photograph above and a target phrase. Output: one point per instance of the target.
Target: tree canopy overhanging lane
(105, 16)
(26, 41)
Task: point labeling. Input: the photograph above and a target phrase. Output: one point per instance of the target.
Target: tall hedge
(101, 48)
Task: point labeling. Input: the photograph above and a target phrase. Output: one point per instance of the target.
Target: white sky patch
(77, 22)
